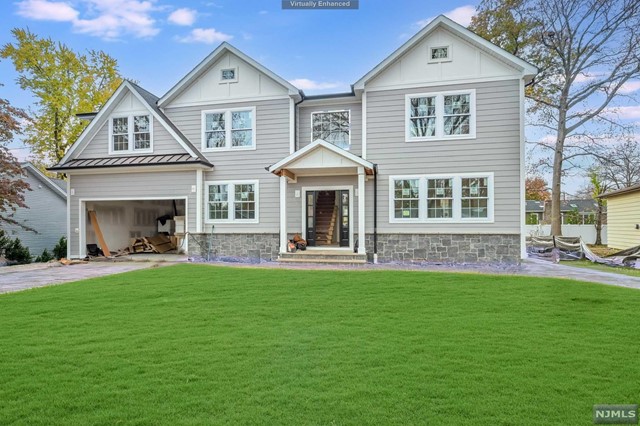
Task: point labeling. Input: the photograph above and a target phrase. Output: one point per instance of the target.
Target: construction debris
(573, 248)
(158, 244)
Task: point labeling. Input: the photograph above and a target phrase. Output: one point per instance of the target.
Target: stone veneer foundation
(454, 248)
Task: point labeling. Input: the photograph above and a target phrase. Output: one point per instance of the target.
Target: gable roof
(146, 98)
(202, 67)
(54, 186)
(534, 206)
(526, 68)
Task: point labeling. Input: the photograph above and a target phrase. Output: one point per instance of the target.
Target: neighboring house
(534, 212)
(422, 160)
(573, 212)
(46, 212)
(623, 207)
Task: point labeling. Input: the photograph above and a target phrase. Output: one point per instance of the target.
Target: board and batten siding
(131, 185)
(623, 213)
(496, 149)
(163, 143)
(304, 123)
(272, 145)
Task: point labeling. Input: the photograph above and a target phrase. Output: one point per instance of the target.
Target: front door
(310, 199)
(334, 224)
(343, 228)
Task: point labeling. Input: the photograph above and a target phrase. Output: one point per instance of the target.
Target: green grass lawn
(196, 344)
(632, 272)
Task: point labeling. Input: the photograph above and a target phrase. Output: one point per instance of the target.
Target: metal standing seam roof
(128, 161)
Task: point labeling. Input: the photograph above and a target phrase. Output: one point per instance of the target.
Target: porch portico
(321, 160)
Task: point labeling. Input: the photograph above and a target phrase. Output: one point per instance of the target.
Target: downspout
(375, 213)
(295, 120)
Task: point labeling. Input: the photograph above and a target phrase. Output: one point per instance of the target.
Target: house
(421, 160)
(573, 212)
(623, 206)
(46, 215)
(534, 212)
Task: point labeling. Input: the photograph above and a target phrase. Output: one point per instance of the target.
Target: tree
(16, 252)
(599, 188)
(619, 166)
(586, 51)
(64, 83)
(12, 186)
(60, 250)
(536, 188)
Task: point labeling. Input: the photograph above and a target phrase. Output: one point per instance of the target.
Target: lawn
(196, 344)
(632, 272)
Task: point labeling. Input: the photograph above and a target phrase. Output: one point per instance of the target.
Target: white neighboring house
(46, 212)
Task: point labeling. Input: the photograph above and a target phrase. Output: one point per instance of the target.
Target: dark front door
(343, 229)
(310, 197)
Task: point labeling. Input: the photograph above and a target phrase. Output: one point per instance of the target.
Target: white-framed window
(440, 53)
(131, 133)
(442, 115)
(451, 198)
(229, 75)
(332, 126)
(229, 129)
(236, 201)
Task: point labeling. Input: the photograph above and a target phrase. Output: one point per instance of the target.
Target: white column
(361, 196)
(199, 196)
(283, 214)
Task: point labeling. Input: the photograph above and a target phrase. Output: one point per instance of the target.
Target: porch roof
(321, 158)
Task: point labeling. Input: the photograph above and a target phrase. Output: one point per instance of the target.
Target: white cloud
(108, 19)
(624, 112)
(629, 87)
(462, 15)
(183, 16)
(306, 84)
(43, 10)
(205, 35)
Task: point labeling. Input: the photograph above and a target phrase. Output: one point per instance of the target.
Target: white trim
(199, 199)
(524, 67)
(364, 125)
(283, 214)
(68, 217)
(82, 217)
(449, 58)
(45, 179)
(210, 59)
(130, 133)
(329, 112)
(314, 145)
(228, 129)
(440, 136)
(231, 201)
(456, 198)
(349, 188)
(523, 247)
(441, 83)
(361, 212)
(252, 99)
(136, 169)
(231, 80)
(292, 126)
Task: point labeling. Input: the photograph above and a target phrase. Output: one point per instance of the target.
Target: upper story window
(228, 75)
(332, 127)
(131, 133)
(439, 53)
(440, 199)
(447, 115)
(229, 129)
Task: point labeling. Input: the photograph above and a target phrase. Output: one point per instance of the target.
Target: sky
(157, 42)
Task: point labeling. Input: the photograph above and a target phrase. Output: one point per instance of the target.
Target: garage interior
(131, 227)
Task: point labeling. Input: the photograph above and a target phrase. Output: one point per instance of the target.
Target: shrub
(44, 257)
(60, 250)
(16, 252)
(4, 241)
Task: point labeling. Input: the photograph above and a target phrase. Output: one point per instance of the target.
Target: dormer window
(439, 53)
(229, 75)
(131, 133)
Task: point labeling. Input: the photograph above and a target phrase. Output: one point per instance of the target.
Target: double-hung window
(332, 127)
(132, 133)
(445, 115)
(229, 129)
(232, 202)
(455, 198)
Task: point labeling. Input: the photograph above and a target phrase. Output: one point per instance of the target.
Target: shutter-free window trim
(228, 125)
(441, 114)
(133, 133)
(231, 200)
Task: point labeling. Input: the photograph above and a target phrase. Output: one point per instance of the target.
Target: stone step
(323, 261)
(323, 256)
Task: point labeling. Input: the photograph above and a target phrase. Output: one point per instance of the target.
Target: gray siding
(163, 143)
(496, 148)
(272, 145)
(47, 214)
(130, 185)
(304, 123)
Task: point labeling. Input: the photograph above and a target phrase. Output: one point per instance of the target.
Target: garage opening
(131, 227)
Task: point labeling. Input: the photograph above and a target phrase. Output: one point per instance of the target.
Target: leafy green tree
(586, 50)
(63, 83)
(572, 217)
(598, 188)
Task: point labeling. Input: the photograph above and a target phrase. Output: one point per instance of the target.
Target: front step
(323, 256)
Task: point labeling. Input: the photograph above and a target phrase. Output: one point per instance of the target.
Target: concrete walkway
(22, 277)
(543, 268)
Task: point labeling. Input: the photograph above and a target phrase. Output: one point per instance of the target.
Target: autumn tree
(63, 83)
(536, 188)
(12, 186)
(586, 51)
